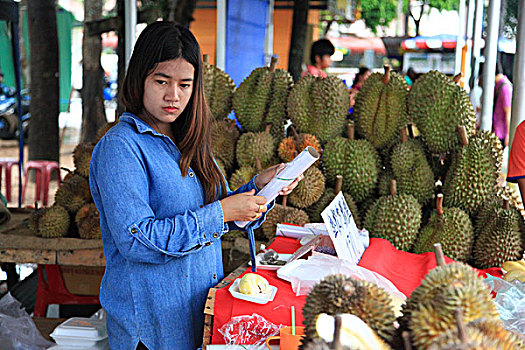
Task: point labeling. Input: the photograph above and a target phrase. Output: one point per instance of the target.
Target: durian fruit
(452, 228)
(224, 135)
(290, 147)
(82, 158)
(241, 176)
(380, 107)
(395, 217)
(499, 240)
(251, 145)
(261, 99)
(356, 160)
(105, 128)
(314, 211)
(473, 175)
(54, 222)
(308, 190)
(218, 89)
(411, 170)
(88, 222)
(436, 104)
(283, 214)
(432, 318)
(383, 182)
(33, 220)
(337, 294)
(73, 194)
(319, 106)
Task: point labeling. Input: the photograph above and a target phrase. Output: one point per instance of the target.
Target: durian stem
(386, 76)
(351, 131)
(36, 205)
(404, 138)
(439, 204)
(258, 164)
(232, 125)
(268, 127)
(205, 58)
(273, 63)
(457, 78)
(406, 340)
(337, 333)
(440, 258)
(338, 183)
(410, 128)
(294, 134)
(393, 187)
(506, 204)
(463, 135)
(285, 199)
(462, 332)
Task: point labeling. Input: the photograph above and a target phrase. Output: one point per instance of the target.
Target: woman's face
(167, 90)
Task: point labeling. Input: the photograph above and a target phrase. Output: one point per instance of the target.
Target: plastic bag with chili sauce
(251, 330)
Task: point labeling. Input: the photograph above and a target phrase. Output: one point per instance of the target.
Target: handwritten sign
(342, 229)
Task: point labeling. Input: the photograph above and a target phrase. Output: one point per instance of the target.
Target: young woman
(163, 201)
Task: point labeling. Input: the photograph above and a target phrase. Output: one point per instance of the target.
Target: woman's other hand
(288, 189)
(266, 175)
(243, 207)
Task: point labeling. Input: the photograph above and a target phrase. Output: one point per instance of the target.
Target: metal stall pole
(460, 40)
(476, 45)
(268, 38)
(518, 93)
(130, 24)
(220, 47)
(489, 68)
(467, 48)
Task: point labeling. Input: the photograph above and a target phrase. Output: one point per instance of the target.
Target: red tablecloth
(405, 270)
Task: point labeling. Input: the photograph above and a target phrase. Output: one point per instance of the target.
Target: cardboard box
(82, 280)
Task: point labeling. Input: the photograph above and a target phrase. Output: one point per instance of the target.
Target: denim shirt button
(207, 244)
(191, 174)
(215, 235)
(133, 230)
(215, 276)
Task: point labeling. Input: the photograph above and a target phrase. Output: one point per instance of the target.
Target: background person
(163, 201)
(320, 54)
(502, 105)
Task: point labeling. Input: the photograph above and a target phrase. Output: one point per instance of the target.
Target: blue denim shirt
(161, 243)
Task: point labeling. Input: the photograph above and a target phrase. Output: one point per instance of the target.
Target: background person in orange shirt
(516, 171)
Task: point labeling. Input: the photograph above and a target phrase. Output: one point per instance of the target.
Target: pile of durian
(451, 309)
(424, 139)
(73, 214)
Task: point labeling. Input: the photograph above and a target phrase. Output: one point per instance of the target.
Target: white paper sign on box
(342, 229)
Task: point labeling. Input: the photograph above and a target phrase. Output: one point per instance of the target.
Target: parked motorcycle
(9, 123)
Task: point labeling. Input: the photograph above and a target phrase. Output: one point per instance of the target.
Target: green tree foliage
(510, 21)
(377, 13)
(423, 7)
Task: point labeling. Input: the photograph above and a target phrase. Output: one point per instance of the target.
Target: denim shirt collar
(141, 126)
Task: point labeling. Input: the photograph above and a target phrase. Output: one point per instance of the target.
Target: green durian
(255, 145)
(224, 135)
(82, 158)
(88, 222)
(218, 89)
(309, 190)
(73, 193)
(283, 214)
(380, 107)
(54, 222)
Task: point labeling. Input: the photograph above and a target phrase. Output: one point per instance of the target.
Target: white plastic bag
(17, 329)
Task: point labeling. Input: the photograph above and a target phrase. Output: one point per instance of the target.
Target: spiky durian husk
(493, 148)
(396, 218)
(309, 190)
(105, 128)
(337, 294)
(224, 135)
(453, 230)
(33, 220)
(218, 89)
(439, 276)
(498, 241)
(241, 176)
(412, 171)
(357, 161)
(432, 318)
(82, 158)
(314, 211)
(251, 145)
(261, 100)
(279, 215)
(380, 109)
(73, 194)
(383, 182)
(54, 222)
(494, 330)
(319, 106)
(472, 177)
(88, 222)
(289, 148)
(437, 105)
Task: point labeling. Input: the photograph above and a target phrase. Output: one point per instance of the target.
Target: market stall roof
(359, 45)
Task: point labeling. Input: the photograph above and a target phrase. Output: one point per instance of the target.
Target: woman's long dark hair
(163, 41)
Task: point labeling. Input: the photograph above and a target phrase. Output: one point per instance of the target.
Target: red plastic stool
(43, 170)
(53, 291)
(7, 163)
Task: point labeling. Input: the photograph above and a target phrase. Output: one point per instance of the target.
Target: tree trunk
(43, 138)
(298, 39)
(184, 12)
(93, 113)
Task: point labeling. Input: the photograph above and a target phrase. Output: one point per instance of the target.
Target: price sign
(342, 229)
